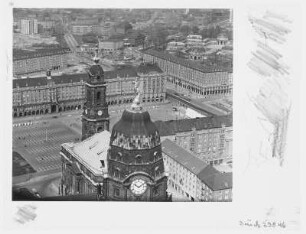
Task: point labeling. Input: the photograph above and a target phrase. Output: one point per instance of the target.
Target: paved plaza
(39, 140)
(39, 143)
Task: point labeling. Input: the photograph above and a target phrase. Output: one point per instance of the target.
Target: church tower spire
(95, 117)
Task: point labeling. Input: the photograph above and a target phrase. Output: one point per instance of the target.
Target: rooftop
(22, 54)
(148, 67)
(171, 127)
(90, 151)
(216, 180)
(72, 78)
(187, 63)
(211, 177)
(183, 157)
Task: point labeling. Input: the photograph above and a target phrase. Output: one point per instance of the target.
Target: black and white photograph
(122, 104)
(155, 117)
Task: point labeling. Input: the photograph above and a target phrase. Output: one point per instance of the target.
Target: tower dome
(135, 130)
(95, 72)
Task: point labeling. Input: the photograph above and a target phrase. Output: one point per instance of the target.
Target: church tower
(95, 117)
(135, 163)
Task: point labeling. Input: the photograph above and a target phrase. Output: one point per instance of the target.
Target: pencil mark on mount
(272, 98)
(25, 214)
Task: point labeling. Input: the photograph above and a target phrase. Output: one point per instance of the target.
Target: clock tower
(95, 117)
(134, 161)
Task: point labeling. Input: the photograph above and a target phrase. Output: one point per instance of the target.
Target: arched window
(117, 172)
(98, 96)
(155, 156)
(100, 129)
(138, 158)
(119, 156)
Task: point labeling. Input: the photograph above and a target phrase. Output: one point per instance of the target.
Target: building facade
(35, 96)
(28, 26)
(193, 179)
(81, 29)
(208, 138)
(189, 77)
(41, 60)
(110, 45)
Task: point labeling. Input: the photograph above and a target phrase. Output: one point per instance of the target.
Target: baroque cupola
(135, 162)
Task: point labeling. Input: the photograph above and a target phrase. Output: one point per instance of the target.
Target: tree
(195, 30)
(185, 29)
(158, 36)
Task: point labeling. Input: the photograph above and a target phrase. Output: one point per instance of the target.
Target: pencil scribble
(25, 214)
(272, 99)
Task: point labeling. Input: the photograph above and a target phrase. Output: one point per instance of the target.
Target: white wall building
(29, 26)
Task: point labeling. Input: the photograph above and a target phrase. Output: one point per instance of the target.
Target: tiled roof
(187, 63)
(29, 82)
(171, 127)
(67, 78)
(19, 55)
(216, 180)
(124, 72)
(148, 67)
(72, 78)
(183, 157)
(211, 177)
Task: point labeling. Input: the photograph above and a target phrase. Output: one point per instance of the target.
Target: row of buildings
(188, 76)
(193, 179)
(32, 26)
(209, 138)
(27, 62)
(32, 96)
(133, 162)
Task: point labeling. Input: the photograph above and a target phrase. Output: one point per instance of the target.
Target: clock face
(99, 112)
(138, 186)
